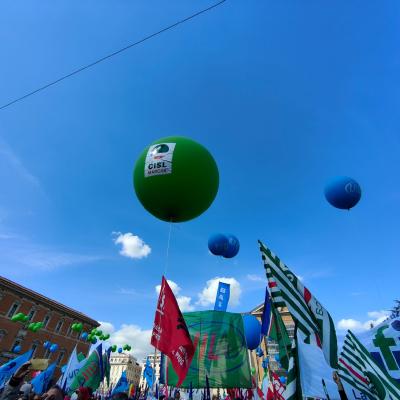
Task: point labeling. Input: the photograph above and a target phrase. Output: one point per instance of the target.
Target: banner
(41, 382)
(71, 370)
(220, 351)
(222, 298)
(122, 384)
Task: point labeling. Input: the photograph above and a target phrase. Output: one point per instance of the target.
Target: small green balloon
(79, 327)
(25, 318)
(99, 333)
(176, 179)
(253, 370)
(114, 348)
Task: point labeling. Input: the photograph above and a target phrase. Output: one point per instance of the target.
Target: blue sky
(284, 95)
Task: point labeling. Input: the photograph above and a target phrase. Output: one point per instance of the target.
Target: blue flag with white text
(148, 373)
(222, 298)
(41, 382)
(71, 370)
(6, 370)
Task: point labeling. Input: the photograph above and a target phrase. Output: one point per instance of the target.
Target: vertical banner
(222, 299)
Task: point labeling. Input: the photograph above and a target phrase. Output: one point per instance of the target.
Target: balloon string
(168, 244)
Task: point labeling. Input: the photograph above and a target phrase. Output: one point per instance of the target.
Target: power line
(87, 66)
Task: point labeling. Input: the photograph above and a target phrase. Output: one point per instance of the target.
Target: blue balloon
(277, 357)
(233, 247)
(17, 348)
(343, 192)
(265, 363)
(252, 331)
(84, 335)
(282, 379)
(120, 350)
(46, 344)
(53, 348)
(218, 244)
(259, 352)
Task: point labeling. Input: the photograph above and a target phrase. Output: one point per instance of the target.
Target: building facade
(270, 347)
(57, 319)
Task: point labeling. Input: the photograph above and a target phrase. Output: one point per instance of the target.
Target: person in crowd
(83, 393)
(339, 384)
(54, 393)
(119, 396)
(12, 388)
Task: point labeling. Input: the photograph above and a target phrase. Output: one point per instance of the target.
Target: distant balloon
(84, 335)
(218, 244)
(282, 379)
(233, 247)
(277, 357)
(252, 331)
(46, 344)
(120, 350)
(253, 370)
(53, 348)
(343, 192)
(17, 349)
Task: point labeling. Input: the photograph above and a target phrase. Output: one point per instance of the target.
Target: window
(60, 357)
(31, 314)
(12, 310)
(34, 347)
(2, 334)
(16, 343)
(59, 325)
(46, 320)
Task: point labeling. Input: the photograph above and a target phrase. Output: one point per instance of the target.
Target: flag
(293, 389)
(360, 370)
(91, 373)
(106, 365)
(266, 316)
(131, 391)
(71, 370)
(279, 334)
(222, 297)
(122, 384)
(310, 316)
(41, 382)
(6, 370)
(220, 351)
(148, 373)
(170, 333)
(277, 387)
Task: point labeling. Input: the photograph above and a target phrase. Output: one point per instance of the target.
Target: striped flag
(359, 369)
(311, 318)
(293, 389)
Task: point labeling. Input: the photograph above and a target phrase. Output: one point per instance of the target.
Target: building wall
(14, 299)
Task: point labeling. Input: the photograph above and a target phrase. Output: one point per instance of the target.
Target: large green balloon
(177, 180)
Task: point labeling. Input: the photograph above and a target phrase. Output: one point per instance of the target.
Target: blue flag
(148, 373)
(222, 299)
(122, 384)
(71, 370)
(41, 382)
(266, 317)
(6, 370)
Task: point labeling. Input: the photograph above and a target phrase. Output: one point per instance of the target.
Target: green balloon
(25, 318)
(79, 327)
(253, 370)
(98, 333)
(178, 181)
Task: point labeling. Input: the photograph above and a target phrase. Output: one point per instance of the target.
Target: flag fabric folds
(71, 370)
(91, 374)
(293, 389)
(359, 369)
(41, 382)
(222, 297)
(122, 384)
(107, 365)
(7, 369)
(170, 333)
(311, 318)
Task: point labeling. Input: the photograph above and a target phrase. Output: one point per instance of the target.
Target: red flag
(170, 333)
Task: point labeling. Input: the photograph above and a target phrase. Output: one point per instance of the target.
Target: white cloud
(184, 302)
(209, 292)
(132, 246)
(255, 278)
(376, 317)
(133, 335)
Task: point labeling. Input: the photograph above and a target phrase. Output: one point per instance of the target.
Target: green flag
(91, 374)
(221, 352)
(279, 334)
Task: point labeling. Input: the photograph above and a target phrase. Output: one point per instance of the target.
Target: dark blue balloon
(218, 244)
(252, 331)
(17, 348)
(343, 192)
(282, 379)
(46, 345)
(120, 350)
(233, 247)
